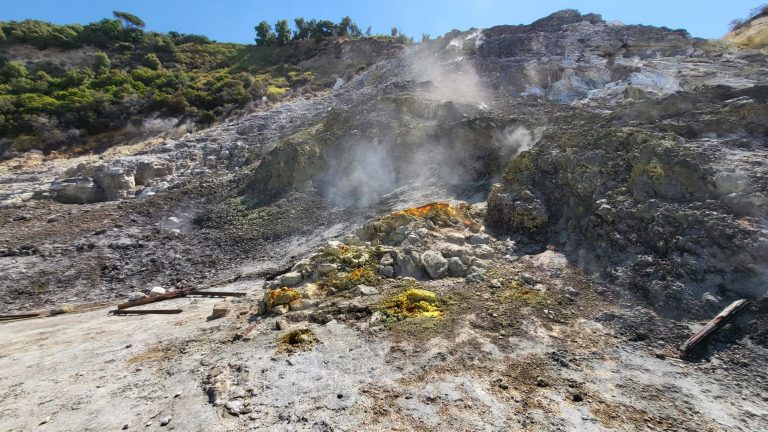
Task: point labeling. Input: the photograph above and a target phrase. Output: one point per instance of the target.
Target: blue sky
(233, 20)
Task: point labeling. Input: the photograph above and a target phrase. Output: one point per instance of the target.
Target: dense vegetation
(120, 75)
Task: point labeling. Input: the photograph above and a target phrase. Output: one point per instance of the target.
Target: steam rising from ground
(512, 140)
(454, 78)
(362, 172)
(151, 127)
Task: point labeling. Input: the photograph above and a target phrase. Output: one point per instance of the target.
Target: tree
(394, 31)
(302, 29)
(322, 29)
(424, 37)
(355, 31)
(368, 31)
(129, 19)
(283, 32)
(344, 26)
(101, 63)
(151, 61)
(264, 34)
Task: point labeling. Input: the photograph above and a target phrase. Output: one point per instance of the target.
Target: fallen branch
(146, 311)
(701, 336)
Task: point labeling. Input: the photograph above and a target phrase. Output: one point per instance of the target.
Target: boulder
(326, 268)
(480, 239)
(280, 309)
(408, 264)
(332, 247)
(137, 295)
(156, 291)
(456, 267)
(149, 170)
(387, 271)
(299, 304)
(291, 278)
(434, 263)
(455, 238)
(367, 290)
(280, 296)
(76, 190)
(220, 310)
(115, 180)
(484, 252)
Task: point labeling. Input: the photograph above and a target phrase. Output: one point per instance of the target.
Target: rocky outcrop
(678, 222)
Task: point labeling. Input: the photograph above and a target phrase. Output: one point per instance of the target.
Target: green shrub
(151, 61)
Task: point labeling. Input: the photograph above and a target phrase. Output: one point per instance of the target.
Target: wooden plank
(216, 294)
(701, 336)
(155, 299)
(145, 311)
(18, 316)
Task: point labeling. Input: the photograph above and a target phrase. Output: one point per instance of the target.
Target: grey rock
(484, 252)
(326, 268)
(456, 267)
(480, 239)
(434, 263)
(367, 290)
(156, 291)
(291, 279)
(386, 271)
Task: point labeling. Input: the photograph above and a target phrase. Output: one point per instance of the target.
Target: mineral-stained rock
(280, 296)
(434, 263)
